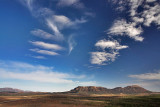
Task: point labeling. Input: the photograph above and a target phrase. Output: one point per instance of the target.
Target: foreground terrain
(78, 100)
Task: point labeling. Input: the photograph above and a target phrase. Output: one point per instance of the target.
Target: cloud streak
(45, 52)
(147, 76)
(38, 73)
(39, 57)
(55, 22)
(71, 3)
(148, 80)
(44, 35)
(46, 45)
(71, 43)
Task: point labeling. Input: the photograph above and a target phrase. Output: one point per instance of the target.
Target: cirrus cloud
(38, 73)
(46, 45)
(45, 52)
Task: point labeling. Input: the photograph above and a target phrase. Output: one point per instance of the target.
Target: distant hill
(18, 92)
(10, 90)
(134, 89)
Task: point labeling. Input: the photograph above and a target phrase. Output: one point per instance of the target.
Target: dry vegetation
(74, 100)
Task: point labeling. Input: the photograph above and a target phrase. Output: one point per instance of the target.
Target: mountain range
(134, 89)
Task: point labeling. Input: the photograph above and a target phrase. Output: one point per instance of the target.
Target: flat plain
(79, 100)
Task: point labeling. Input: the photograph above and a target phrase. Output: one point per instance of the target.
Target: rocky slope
(134, 89)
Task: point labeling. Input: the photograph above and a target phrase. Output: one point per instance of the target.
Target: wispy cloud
(62, 21)
(67, 3)
(39, 76)
(46, 45)
(59, 22)
(56, 23)
(150, 0)
(72, 3)
(39, 73)
(147, 76)
(45, 52)
(148, 80)
(71, 43)
(42, 34)
(55, 29)
(39, 57)
(28, 3)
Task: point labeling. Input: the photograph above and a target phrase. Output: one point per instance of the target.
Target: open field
(74, 100)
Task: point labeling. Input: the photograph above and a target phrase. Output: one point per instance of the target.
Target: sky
(57, 45)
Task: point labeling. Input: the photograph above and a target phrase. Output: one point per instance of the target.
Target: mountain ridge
(134, 89)
(13, 90)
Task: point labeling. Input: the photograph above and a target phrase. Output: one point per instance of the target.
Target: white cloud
(39, 73)
(42, 34)
(148, 80)
(73, 3)
(121, 27)
(44, 12)
(147, 76)
(150, 1)
(39, 57)
(62, 21)
(67, 3)
(71, 43)
(56, 23)
(22, 66)
(134, 6)
(131, 28)
(110, 44)
(138, 20)
(39, 76)
(101, 57)
(47, 45)
(59, 22)
(151, 14)
(55, 29)
(45, 52)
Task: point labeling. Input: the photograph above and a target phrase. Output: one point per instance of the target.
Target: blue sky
(56, 45)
